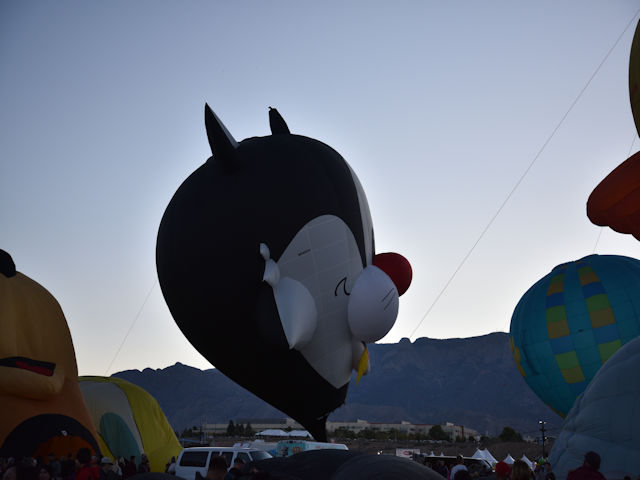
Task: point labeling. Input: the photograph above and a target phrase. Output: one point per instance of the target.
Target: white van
(196, 459)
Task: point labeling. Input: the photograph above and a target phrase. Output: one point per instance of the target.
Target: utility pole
(542, 430)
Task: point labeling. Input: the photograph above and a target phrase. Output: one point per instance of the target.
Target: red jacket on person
(585, 473)
(88, 472)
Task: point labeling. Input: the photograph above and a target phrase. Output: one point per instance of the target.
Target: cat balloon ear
(223, 145)
(277, 123)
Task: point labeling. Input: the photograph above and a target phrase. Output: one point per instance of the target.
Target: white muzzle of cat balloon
(373, 303)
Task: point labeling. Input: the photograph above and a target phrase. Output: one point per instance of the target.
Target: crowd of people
(85, 466)
(82, 466)
(520, 470)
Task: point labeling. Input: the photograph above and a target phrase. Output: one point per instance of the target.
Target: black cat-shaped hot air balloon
(266, 259)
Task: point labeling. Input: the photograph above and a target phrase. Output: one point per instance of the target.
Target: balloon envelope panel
(615, 202)
(571, 321)
(605, 419)
(260, 253)
(130, 421)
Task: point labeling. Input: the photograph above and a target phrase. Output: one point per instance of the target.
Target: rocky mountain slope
(468, 381)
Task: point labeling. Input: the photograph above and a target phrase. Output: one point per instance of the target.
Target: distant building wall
(260, 424)
(257, 424)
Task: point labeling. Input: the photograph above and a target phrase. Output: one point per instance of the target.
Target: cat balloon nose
(397, 267)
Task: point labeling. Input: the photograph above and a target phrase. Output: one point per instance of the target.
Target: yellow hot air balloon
(129, 421)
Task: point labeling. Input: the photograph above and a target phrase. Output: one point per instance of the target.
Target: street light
(542, 430)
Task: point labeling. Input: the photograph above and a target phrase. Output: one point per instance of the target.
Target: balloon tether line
(135, 319)
(573, 104)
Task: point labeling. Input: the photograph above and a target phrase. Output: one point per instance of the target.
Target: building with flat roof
(260, 424)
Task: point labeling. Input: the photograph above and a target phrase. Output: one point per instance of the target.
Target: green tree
(382, 435)
(240, 430)
(367, 434)
(437, 433)
(231, 429)
(510, 435)
(344, 432)
(248, 430)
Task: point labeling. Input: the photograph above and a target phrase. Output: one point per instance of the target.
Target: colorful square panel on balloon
(592, 289)
(555, 299)
(601, 318)
(606, 334)
(562, 345)
(608, 349)
(567, 360)
(597, 302)
(556, 285)
(587, 276)
(558, 329)
(573, 375)
(556, 314)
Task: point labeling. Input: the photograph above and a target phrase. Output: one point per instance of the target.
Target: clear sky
(439, 107)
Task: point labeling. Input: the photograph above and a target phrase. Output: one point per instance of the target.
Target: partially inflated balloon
(129, 421)
(571, 321)
(41, 407)
(615, 202)
(258, 253)
(605, 419)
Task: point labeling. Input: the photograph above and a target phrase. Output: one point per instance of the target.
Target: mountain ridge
(470, 381)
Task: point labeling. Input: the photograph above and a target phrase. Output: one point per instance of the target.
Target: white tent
(478, 455)
(527, 461)
(299, 434)
(488, 457)
(509, 459)
(273, 432)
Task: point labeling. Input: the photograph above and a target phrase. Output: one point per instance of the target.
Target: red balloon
(615, 202)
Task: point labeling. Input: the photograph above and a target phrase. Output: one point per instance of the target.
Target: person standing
(130, 468)
(589, 468)
(56, 467)
(144, 464)
(106, 469)
(520, 471)
(86, 470)
(236, 471)
(217, 468)
(458, 466)
(503, 470)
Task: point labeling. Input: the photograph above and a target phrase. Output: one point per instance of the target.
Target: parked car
(196, 459)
